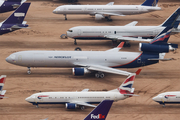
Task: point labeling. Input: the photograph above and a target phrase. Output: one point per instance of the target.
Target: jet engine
(157, 48)
(71, 106)
(98, 17)
(80, 71)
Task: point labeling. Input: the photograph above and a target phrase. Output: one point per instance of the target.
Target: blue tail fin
(101, 111)
(150, 3)
(163, 37)
(173, 20)
(18, 16)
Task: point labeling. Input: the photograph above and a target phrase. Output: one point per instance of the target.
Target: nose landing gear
(29, 71)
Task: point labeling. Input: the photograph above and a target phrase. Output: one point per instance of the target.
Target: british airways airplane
(127, 33)
(106, 11)
(168, 98)
(73, 100)
(2, 81)
(10, 5)
(15, 20)
(84, 62)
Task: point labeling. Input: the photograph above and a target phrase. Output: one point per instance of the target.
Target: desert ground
(44, 34)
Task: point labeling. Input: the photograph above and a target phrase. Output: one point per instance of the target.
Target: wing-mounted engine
(71, 106)
(157, 48)
(98, 17)
(80, 71)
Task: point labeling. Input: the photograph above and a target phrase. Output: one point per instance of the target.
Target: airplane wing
(85, 90)
(83, 104)
(105, 69)
(111, 3)
(116, 49)
(132, 23)
(110, 14)
(116, 37)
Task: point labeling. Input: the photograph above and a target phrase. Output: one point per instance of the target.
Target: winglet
(120, 45)
(101, 111)
(138, 71)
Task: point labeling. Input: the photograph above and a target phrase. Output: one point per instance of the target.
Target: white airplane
(84, 62)
(83, 98)
(124, 33)
(168, 98)
(106, 11)
(2, 81)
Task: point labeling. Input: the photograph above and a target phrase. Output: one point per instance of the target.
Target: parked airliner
(10, 5)
(168, 98)
(123, 33)
(83, 98)
(15, 20)
(106, 11)
(2, 81)
(84, 62)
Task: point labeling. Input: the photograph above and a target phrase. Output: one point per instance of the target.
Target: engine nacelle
(162, 48)
(80, 71)
(98, 17)
(71, 106)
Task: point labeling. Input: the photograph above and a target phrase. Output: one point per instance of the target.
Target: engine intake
(80, 71)
(98, 17)
(162, 48)
(71, 106)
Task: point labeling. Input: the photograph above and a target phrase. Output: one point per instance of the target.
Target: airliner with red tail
(2, 81)
(73, 100)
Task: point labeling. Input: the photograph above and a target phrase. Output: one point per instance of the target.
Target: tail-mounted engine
(157, 48)
(80, 71)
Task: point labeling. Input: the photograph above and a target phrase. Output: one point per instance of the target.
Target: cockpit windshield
(70, 30)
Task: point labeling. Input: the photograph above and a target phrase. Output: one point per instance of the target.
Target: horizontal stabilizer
(150, 3)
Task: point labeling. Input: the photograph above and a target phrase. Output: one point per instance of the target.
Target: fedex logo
(99, 116)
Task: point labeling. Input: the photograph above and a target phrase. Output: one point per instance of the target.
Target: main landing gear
(65, 16)
(82, 107)
(29, 71)
(99, 75)
(75, 43)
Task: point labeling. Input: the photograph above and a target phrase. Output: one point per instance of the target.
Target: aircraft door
(79, 32)
(19, 58)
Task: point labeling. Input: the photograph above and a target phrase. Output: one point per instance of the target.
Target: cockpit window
(70, 30)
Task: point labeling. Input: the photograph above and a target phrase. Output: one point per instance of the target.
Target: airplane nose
(55, 11)
(28, 99)
(11, 59)
(155, 98)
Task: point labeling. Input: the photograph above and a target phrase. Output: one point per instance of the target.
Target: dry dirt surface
(44, 34)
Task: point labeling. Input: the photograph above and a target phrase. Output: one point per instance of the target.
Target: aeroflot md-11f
(15, 20)
(10, 5)
(123, 33)
(168, 98)
(106, 11)
(2, 81)
(84, 62)
(76, 99)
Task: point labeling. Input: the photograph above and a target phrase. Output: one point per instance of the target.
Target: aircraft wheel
(82, 107)
(97, 75)
(78, 49)
(101, 75)
(28, 72)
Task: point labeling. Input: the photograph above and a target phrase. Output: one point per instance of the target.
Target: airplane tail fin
(150, 3)
(18, 16)
(101, 111)
(2, 81)
(173, 20)
(162, 37)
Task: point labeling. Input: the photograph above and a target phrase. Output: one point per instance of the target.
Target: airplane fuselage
(74, 58)
(67, 97)
(119, 10)
(100, 32)
(168, 98)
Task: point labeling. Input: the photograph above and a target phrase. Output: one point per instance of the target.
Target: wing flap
(83, 104)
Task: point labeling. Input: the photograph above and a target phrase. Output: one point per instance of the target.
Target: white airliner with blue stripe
(106, 11)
